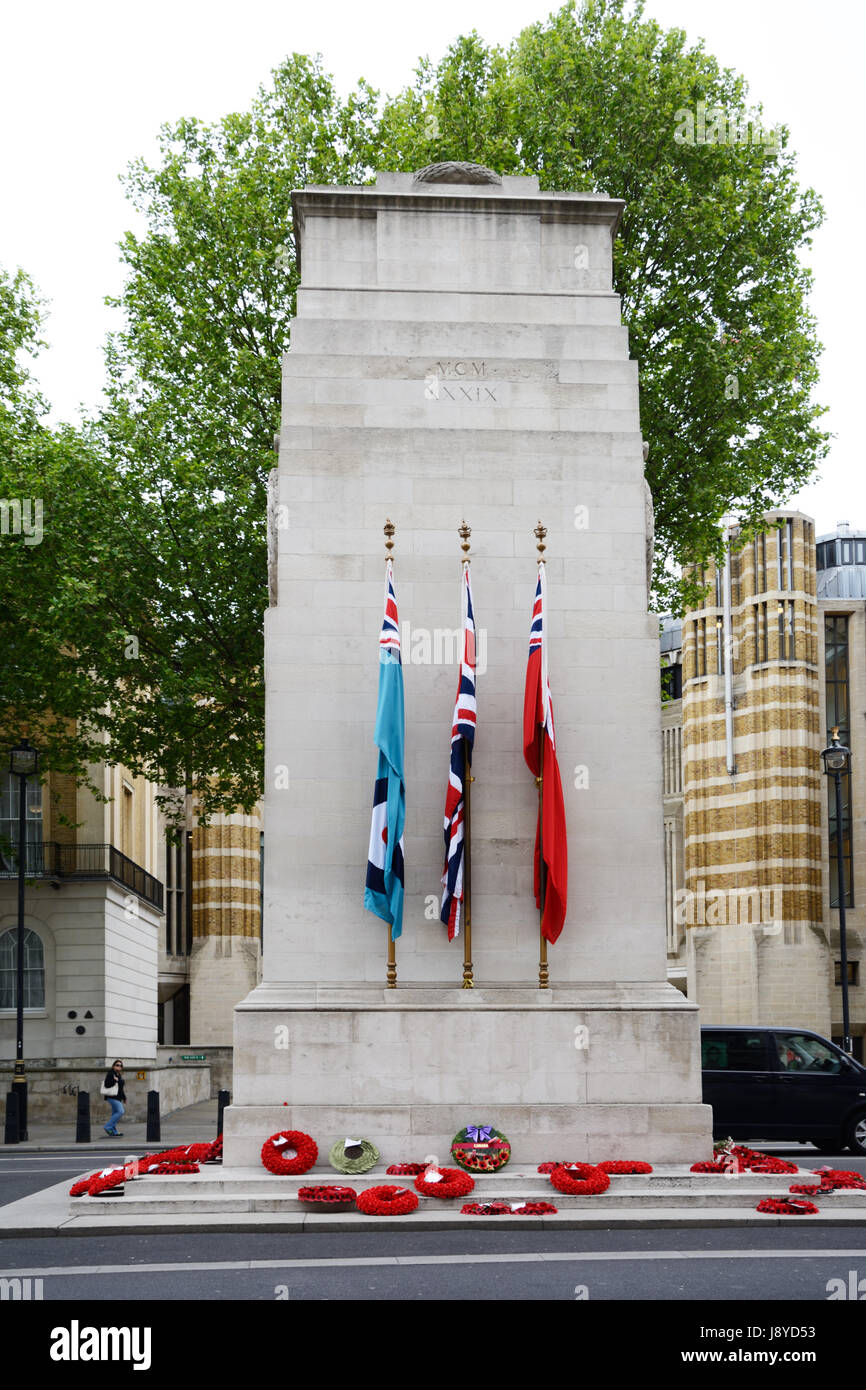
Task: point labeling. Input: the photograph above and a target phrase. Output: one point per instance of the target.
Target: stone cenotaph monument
(458, 354)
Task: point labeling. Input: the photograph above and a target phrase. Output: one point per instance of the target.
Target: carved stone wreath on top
(457, 171)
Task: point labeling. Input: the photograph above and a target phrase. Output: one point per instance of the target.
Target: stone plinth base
(580, 1072)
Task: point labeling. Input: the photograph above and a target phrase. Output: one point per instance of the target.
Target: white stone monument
(458, 352)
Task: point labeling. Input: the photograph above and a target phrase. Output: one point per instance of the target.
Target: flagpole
(391, 974)
(543, 974)
(465, 532)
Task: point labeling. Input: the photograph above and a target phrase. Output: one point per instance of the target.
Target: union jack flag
(389, 638)
(538, 644)
(462, 742)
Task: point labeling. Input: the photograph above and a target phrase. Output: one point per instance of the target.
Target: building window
(188, 862)
(785, 543)
(760, 563)
(761, 633)
(789, 531)
(787, 650)
(127, 821)
(836, 683)
(10, 792)
(853, 973)
(34, 970)
(169, 891)
(175, 897)
(672, 680)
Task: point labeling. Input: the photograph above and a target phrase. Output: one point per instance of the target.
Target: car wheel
(855, 1135)
(827, 1146)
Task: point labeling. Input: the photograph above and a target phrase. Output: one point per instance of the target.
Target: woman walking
(112, 1089)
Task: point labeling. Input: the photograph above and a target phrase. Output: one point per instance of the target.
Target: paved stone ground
(191, 1125)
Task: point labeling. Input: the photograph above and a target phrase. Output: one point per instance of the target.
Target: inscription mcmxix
(437, 387)
(461, 368)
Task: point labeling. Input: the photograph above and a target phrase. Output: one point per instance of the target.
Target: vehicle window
(734, 1052)
(799, 1052)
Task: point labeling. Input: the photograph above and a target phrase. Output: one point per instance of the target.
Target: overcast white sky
(86, 86)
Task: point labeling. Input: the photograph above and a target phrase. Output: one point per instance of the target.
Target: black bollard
(82, 1118)
(223, 1099)
(153, 1115)
(11, 1133)
(20, 1089)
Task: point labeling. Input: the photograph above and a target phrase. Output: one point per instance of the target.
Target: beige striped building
(211, 951)
(751, 933)
(226, 923)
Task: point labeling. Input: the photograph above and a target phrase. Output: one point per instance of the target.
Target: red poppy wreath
(81, 1188)
(768, 1164)
(624, 1165)
(306, 1152)
(327, 1194)
(480, 1149)
(506, 1209)
(840, 1177)
(102, 1181)
(148, 1162)
(787, 1206)
(453, 1183)
(580, 1179)
(386, 1201)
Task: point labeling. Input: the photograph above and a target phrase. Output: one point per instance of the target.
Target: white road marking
(572, 1257)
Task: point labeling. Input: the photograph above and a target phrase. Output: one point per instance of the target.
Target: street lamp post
(837, 759)
(23, 763)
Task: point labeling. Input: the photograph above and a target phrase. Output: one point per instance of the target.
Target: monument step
(236, 1191)
(603, 1218)
(506, 1183)
(192, 1203)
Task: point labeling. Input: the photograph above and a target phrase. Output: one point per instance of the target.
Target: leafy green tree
(707, 258)
(134, 629)
(155, 514)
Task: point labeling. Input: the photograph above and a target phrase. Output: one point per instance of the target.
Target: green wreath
(367, 1159)
(488, 1155)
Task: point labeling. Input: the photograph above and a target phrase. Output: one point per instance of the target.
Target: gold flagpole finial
(464, 532)
(389, 528)
(540, 532)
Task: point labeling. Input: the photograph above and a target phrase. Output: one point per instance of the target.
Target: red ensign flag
(539, 752)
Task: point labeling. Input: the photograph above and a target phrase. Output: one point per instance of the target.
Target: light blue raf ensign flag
(383, 893)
